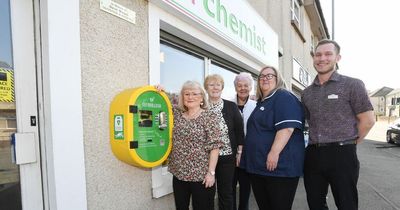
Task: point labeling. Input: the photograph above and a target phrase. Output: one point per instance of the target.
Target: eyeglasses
(193, 94)
(266, 76)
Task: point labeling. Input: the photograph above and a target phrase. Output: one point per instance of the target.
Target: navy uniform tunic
(281, 109)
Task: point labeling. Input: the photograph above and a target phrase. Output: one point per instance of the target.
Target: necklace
(193, 115)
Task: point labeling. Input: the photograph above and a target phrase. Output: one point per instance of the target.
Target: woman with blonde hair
(231, 126)
(196, 140)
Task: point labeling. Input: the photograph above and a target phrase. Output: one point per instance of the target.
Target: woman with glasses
(231, 125)
(196, 140)
(273, 153)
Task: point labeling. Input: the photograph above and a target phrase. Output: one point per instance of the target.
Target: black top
(234, 121)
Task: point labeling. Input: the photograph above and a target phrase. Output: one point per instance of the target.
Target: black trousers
(274, 193)
(337, 166)
(243, 178)
(202, 198)
(224, 176)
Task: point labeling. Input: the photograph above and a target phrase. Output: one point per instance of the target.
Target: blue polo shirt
(281, 109)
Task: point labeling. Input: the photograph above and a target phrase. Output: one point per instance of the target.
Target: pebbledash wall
(117, 54)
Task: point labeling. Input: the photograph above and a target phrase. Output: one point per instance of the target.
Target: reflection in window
(5, 36)
(229, 76)
(177, 66)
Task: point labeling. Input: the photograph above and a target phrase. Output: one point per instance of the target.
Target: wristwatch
(212, 173)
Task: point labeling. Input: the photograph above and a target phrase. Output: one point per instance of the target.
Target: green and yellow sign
(141, 123)
(6, 85)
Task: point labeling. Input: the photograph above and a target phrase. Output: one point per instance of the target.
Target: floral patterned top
(217, 109)
(192, 141)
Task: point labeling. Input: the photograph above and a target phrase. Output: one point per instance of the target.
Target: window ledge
(295, 25)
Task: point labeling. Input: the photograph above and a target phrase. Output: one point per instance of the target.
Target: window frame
(296, 17)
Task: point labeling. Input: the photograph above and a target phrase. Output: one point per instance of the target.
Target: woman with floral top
(196, 141)
(231, 125)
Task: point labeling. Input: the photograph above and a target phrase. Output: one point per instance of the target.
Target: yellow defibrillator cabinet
(141, 123)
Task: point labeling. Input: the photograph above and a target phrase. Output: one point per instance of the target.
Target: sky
(368, 34)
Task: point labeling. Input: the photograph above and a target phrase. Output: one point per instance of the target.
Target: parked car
(393, 132)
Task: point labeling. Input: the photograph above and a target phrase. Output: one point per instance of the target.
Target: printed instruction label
(118, 127)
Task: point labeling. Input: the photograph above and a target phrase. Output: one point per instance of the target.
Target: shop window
(181, 61)
(6, 58)
(178, 65)
(228, 75)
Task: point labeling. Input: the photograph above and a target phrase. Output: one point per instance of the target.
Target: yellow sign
(6, 85)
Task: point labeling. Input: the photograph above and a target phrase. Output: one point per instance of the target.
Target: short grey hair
(244, 76)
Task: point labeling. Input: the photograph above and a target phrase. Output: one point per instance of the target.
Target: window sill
(295, 25)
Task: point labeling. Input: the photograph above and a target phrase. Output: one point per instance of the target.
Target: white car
(393, 132)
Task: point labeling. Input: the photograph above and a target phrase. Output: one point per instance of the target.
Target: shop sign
(300, 74)
(235, 21)
(6, 85)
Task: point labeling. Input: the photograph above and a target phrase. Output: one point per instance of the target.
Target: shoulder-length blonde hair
(279, 82)
(213, 77)
(192, 85)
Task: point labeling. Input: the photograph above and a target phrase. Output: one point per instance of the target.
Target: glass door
(20, 173)
(10, 191)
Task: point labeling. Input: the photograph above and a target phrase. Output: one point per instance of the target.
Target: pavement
(377, 134)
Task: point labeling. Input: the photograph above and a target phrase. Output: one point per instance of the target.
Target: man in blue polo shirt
(339, 115)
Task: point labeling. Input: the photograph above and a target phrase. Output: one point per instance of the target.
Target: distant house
(393, 103)
(379, 100)
(4, 65)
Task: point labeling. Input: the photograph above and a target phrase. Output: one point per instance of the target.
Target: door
(20, 171)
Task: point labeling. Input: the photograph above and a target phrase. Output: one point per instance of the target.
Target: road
(379, 182)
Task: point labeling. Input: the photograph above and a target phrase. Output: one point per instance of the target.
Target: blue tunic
(281, 109)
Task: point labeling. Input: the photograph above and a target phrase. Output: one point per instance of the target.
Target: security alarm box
(141, 122)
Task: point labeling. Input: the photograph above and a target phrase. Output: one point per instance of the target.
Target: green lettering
(241, 26)
(233, 23)
(254, 40)
(219, 9)
(258, 43)
(263, 46)
(208, 11)
(244, 30)
(249, 35)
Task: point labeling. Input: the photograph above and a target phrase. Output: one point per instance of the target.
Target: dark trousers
(337, 166)
(243, 178)
(224, 176)
(274, 193)
(202, 198)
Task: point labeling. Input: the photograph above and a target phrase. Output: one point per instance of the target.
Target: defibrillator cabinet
(141, 123)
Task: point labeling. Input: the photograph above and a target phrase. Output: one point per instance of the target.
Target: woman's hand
(272, 161)
(209, 180)
(159, 87)
(238, 156)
